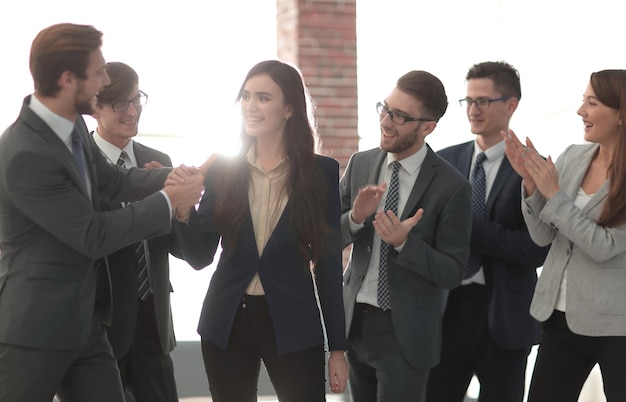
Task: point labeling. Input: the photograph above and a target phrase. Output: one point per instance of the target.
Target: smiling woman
(191, 58)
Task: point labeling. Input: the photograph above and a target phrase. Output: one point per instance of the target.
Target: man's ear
(428, 127)
(66, 79)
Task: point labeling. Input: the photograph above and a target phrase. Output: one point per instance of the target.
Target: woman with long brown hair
(275, 207)
(578, 206)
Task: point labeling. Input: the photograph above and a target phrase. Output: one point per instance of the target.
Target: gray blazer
(51, 232)
(594, 256)
(432, 260)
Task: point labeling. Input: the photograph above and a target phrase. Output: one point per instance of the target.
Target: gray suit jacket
(51, 231)
(594, 256)
(432, 260)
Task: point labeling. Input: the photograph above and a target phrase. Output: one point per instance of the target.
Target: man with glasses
(487, 328)
(406, 213)
(141, 332)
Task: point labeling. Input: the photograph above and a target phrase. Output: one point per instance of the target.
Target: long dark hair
(609, 87)
(304, 185)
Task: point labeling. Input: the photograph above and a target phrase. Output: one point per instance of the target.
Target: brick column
(319, 37)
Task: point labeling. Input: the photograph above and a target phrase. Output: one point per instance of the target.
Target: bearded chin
(85, 107)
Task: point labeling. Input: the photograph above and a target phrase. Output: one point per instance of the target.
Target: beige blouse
(267, 197)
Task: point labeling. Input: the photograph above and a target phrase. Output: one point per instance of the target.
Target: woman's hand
(338, 371)
(515, 151)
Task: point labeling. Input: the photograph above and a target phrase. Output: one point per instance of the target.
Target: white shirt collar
(112, 152)
(61, 126)
(493, 153)
(411, 163)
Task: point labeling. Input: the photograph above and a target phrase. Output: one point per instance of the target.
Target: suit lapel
(464, 162)
(504, 173)
(424, 178)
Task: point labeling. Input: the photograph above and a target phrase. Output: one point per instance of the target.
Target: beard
(83, 103)
(403, 142)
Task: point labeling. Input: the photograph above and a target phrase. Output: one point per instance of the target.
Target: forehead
(262, 83)
(402, 101)
(481, 87)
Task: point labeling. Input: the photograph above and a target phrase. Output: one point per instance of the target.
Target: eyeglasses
(121, 106)
(395, 117)
(481, 103)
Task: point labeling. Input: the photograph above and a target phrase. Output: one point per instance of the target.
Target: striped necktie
(143, 279)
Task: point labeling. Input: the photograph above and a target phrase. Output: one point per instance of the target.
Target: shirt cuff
(354, 227)
(169, 203)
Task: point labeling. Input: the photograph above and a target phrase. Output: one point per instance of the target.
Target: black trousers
(468, 349)
(145, 371)
(565, 359)
(233, 373)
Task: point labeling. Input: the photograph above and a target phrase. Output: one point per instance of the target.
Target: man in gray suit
(407, 214)
(52, 177)
(141, 332)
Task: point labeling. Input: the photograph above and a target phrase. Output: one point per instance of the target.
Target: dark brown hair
(428, 89)
(304, 185)
(123, 79)
(610, 89)
(59, 48)
(504, 76)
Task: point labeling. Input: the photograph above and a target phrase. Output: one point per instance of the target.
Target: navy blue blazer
(284, 273)
(509, 255)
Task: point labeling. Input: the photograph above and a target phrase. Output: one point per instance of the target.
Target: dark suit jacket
(51, 231)
(433, 258)
(284, 273)
(509, 256)
(123, 272)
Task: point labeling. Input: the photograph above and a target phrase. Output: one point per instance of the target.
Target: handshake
(184, 186)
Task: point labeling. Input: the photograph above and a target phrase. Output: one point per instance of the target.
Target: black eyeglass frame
(383, 110)
(482, 103)
(121, 106)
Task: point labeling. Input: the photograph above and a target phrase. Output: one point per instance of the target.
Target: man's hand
(153, 165)
(183, 195)
(391, 230)
(180, 174)
(367, 201)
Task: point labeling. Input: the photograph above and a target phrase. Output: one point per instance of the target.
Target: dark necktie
(79, 155)
(142, 265)
(143, 289)
(391, 203)
(121, 161)
(479, 189)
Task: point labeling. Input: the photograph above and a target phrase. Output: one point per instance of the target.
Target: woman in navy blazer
(276, 209)
(578, 206)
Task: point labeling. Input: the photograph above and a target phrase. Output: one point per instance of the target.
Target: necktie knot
(395, 165)
(480, 158)
(121, 161)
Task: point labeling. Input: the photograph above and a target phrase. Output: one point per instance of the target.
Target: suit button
(369, 249)
(361, 277)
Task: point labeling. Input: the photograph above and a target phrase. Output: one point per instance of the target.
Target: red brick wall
(319, 36)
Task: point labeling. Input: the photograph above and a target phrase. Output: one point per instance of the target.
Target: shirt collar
(112, 152)
(61, 126)
(251, 158)
(411, 163)
(493, 153)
